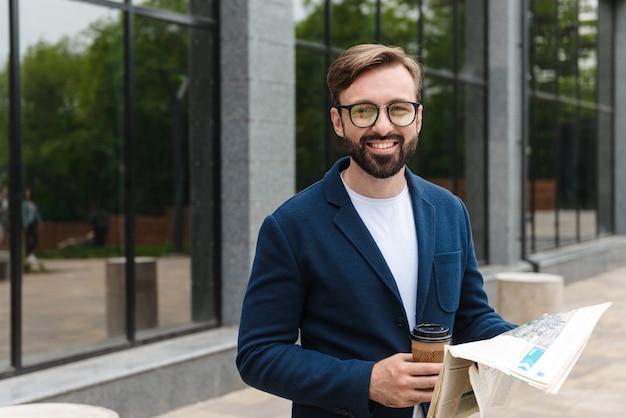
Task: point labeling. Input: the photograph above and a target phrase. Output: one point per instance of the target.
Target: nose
(383, 123)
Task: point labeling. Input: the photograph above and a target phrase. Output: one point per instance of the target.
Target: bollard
(146, 302)
(524, 296)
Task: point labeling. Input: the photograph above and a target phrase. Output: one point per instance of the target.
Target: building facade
(155, 136)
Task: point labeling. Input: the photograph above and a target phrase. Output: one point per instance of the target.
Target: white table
(56, 410)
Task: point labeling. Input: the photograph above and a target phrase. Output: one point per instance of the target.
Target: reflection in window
(310, 121)
(72, 129)
(87, 142)
(180, 6)
(161, 199)
(564, 134)
(5, 290)
(168, 86)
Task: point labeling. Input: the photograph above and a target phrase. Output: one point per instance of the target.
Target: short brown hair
(360, 58)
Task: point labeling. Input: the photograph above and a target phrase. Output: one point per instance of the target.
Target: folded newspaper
(482, 376)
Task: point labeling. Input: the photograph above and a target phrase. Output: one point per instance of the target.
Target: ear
(419, 118)
(335, 117)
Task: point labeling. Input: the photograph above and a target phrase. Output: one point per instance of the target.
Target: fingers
(399, 382)
(427, 369)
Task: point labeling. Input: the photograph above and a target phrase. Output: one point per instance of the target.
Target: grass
(85, 251)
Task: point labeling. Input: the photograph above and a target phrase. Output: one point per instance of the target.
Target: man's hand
(399, 382)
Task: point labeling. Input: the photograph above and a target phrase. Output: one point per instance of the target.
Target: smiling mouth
(382, 145)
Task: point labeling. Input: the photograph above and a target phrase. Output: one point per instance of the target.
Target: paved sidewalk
(596, 387)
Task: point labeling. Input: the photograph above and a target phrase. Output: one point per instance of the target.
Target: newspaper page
(457, 396)
(493, 389)
(453, 396)
(484, 375)
(541, 352)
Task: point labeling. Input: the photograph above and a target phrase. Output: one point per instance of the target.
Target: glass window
(347, 16)
(543, 48)
(441, 21)
(542, 185)
(72, 129)
(87, 144)
(196, 8)
(567, 47)
(180, 6)
(5, 290)
(399, 24)
(164, 74)
(565, 139)
(162, 194)
(436, 155)
(311, 121)
(587, 52)
(310, 20)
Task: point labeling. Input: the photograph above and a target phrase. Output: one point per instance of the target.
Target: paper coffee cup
(428, 341)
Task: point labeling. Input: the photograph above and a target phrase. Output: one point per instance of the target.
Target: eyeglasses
(364, 115)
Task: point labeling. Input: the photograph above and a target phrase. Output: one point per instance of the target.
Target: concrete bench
(146, 302)
(524, 296)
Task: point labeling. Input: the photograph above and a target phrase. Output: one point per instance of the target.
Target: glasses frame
(416, 106)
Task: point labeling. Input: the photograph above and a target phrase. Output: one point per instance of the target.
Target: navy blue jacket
(319, 276)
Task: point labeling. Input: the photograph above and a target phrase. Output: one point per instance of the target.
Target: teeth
(382, 145)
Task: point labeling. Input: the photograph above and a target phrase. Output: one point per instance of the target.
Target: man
(31, 219)
(353, 262)
(99, 220)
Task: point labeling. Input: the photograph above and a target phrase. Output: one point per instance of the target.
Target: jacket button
(400, 322)
(344, 412)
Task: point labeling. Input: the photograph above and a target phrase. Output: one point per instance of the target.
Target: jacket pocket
(448, 279)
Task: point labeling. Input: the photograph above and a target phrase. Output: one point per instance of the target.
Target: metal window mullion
(456, 86)
(420, 37)
(486, 119)
(557, 120)
(527, 55)
(15, 180)
(378, 22)
(577, 132)
(328, 41)
(129, 171)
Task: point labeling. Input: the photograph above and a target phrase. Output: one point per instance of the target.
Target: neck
(369, 186)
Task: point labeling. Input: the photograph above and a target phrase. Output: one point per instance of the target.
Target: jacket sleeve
(269, 357)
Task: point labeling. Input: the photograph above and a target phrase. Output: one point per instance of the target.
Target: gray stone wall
(504, 129)
(258, 125)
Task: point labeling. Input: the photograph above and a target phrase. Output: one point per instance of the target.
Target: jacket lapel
(350, 224)
(424, 214)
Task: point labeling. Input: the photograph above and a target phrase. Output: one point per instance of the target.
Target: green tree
(70, 126)
(161, 51)
(73, 109)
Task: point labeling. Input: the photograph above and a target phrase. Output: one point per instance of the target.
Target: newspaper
(483, 376)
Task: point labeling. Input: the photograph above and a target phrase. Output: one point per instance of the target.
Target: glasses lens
(363, 115)
(401, 113)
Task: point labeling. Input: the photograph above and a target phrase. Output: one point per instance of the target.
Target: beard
(381, 166)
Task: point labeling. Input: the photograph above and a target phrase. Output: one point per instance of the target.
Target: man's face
(382, 149)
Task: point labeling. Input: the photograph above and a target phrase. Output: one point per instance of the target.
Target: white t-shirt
(391, 223)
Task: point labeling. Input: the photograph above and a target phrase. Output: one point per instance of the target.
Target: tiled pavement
(80, 285)
(596, 387)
